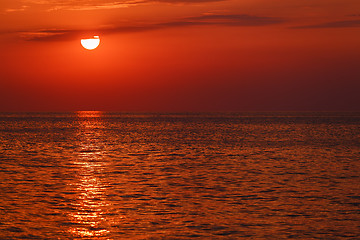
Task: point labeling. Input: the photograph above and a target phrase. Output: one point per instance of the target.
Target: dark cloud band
(338, 24)
(234, 20)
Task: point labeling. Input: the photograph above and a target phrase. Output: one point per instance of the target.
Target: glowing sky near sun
(197, 55)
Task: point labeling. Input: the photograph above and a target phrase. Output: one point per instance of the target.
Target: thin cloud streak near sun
(231, 20)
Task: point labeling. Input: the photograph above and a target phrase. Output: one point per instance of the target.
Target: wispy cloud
(71, 5)
(231, 20)
(235, 19)
(19, 9)
(337, 24)
(86, 5)
(50, 34)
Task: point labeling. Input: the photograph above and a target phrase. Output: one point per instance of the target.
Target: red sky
(182, 55)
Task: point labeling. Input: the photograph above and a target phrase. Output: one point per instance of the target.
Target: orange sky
(182, 55)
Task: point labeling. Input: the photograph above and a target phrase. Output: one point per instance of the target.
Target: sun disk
(90, 43)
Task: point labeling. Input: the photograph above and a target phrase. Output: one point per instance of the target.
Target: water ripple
(95, 175)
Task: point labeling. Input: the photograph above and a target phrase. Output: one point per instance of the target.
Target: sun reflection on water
(90, 206)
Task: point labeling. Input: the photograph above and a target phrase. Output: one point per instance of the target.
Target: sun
(90, 43)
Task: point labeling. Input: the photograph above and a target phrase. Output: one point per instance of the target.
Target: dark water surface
(96, 175)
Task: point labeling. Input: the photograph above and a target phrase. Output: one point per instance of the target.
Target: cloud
(50, 34)
(231, 20)
(54, 5)
(236, 19)
(20, 9)
(337, 24)
(85, 5)
(88, 5)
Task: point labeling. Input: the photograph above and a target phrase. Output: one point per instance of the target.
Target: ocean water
(99, 175)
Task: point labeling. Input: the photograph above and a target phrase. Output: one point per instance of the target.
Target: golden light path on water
(91, 203)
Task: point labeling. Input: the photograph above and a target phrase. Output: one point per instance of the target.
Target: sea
(108, 175)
